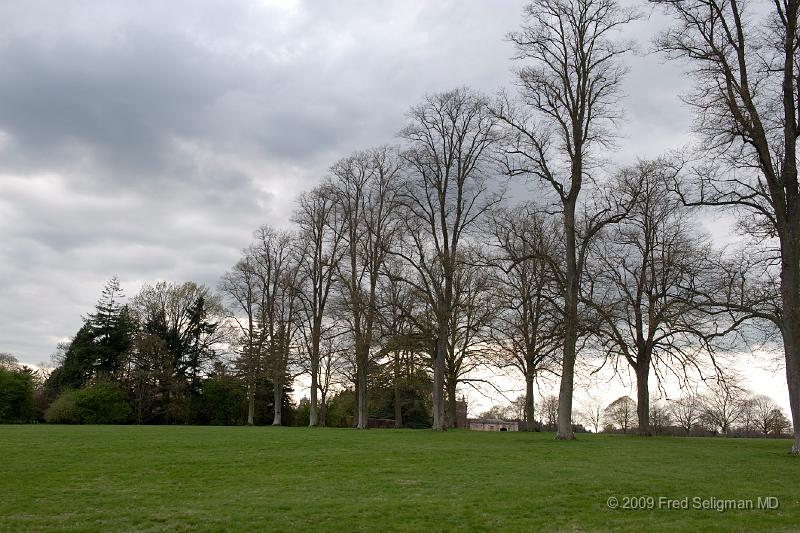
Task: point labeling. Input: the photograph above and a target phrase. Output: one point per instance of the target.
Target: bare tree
(723, 405)
(526, 332)
(746, 68)
(621, 413)
(548, 407)
(570, 89)
(366, 185)
(262, 290)
(686, 411)
(660, 416)
(765, 414)
(472, 311)
(448, 136)
(644, 275)
(320, 224)
(591, 413)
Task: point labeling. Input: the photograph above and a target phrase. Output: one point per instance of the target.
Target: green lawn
(292, 479)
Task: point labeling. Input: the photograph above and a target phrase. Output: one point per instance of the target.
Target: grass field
(279, 479)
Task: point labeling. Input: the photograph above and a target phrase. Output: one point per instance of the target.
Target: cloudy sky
(149, 139)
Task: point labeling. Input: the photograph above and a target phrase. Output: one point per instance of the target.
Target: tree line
(500, 233)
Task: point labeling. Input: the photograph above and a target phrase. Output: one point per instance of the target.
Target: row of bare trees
(413, 249)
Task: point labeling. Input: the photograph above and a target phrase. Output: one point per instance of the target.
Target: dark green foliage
(224, 401)
(99, 348)
(414, 392)
(78, 365)
(103, 403)
(16, 396)
(62, 410)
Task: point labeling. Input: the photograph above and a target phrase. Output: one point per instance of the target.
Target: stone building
(493, 424)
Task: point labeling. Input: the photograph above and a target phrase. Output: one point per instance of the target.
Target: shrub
(16, 396)
(62, 410)
(103, 403)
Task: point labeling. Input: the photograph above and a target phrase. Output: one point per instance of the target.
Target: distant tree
(320, 244)
(621, 413)
(112, 330)
(591, 413)
(723, 405)
(366, 185)
(687, 411)
(645, 274)
(449, 137)
(548, 407)
(526, 326)
(660, 416)
(766, 414)
(8, 361)
(472, 312)
(189, 320)
(16, 393)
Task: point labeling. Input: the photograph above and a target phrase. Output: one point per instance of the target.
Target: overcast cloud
(149, 139)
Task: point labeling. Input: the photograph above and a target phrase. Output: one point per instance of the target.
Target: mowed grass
(154, 478)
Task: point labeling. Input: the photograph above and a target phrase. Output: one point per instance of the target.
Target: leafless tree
(548, 407)
(366, 186)
(723, 405)
(448, 138)
(472, 311)
(642, 285)
(621, 413)
(765, 414)
(660, 416)
(262, 291)
(591, 413)
(320, 225)
(570, 88)
(686, 411)
(526, 333)
(746, 68)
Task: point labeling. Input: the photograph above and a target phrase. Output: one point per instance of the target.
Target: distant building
(493, 424)
(461, 413)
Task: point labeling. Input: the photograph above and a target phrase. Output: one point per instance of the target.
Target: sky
(148, 139)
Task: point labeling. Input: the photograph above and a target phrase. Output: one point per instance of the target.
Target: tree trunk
(438, 376)
(530, 411)
(312, 412)
(362, 359)
(564, 430)
(398, 408)
(323, 412)
(643, 396)
(277, 399)
(251, 403)
(452, 411)
(790, 293)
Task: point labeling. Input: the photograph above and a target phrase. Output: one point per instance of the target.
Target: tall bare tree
(746, 66)
(448, 138)
(320, 226)
(366, 186)
(262, 290)
(472, 313)
(645, 274)
(526, 332)
(569, 88)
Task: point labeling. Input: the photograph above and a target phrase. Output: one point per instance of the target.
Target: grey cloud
(148, 139)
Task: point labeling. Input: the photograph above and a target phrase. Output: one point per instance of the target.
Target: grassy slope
(185, 478)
